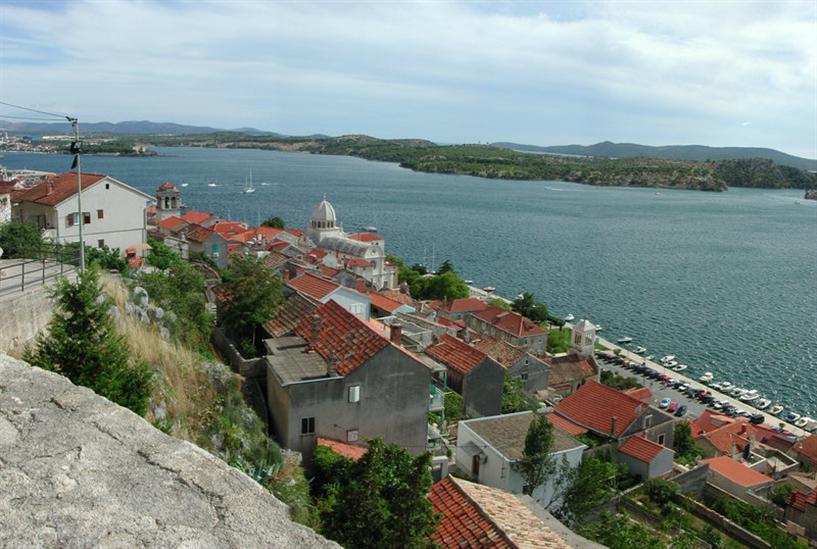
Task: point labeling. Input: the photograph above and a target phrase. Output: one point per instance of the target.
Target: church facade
(361, 253)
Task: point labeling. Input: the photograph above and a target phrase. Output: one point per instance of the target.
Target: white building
(583, 338)
(361, 253)
(113, 212)
(488, 449)
(5, 201)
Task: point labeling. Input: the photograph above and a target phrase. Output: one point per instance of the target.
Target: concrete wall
(393, 404)
(352, 301)
(482, 389)
(537, 373)
(659, 424)
(22, 316)
(251, 368)
(693, 481)
(660, 466)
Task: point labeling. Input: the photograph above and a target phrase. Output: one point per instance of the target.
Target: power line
(34, 110)
(29, 118)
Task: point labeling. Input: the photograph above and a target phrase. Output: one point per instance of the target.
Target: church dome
(324, 212)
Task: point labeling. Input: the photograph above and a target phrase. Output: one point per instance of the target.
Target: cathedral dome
(324, 212)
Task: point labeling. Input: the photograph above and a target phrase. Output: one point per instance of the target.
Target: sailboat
(248, 188)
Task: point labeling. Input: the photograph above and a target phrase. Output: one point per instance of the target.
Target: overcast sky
(546, 73)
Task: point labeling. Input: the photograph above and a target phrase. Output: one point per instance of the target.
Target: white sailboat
(248, 188)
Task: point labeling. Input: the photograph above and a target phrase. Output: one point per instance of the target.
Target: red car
(672, 407)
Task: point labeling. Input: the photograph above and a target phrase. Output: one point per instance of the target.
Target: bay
(725, 281)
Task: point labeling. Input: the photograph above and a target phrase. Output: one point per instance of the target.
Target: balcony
(436, 399)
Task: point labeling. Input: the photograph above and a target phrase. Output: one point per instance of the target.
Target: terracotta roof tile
(397, 295)
(501, 351)
(568, 368)
(344, 449)
(328, 272)
(456, 354)
(641, 449)
(566, 425)
(807, 447)
(509, 321)
(384, 303)
(56, 188)
(595, 405)
(365, 237)
(290, 314)
(172, 223)
(196, 218)
(167, 186)
(295, 232)
(462, 305)
(358, 262)
(799, 500)
(229, 229)
(736, 472)
(197, 233)
(275, 260)
(267, 233)
(641, 393)
(343, 335)
(312, 285)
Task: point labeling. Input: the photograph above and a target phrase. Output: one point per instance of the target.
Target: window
(647, 420)
(661, 440)
(524, 377)
(475, 466)
(100, 243)
(107, 186)
(354, 393)
(86, 218)
(100, 214)
(352, 435)
(70, 219)
(308, 426)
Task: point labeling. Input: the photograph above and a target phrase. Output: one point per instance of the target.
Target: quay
(769, 419)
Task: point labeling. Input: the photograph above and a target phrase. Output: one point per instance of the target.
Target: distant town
(504, 425)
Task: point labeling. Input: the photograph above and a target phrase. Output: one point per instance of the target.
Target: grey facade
(392, 403)
(482, 388)
(214, 247)
(660, 466)
(654, 425)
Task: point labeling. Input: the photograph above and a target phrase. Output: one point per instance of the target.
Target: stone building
(168, 201)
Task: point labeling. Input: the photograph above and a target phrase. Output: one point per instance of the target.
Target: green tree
(622, 383)
(661, 491)
(779, 495)
(378, 501)
(711, 535)
(592, 483)
(527, 306)
(160, 255)
(444, 286)
(619, 532)
(82, 345)
(537, 463)
(106, 258)
(252, 293)
(446, 267)
(20, 240)
(499, 303)
(454, 407)
(274, 222)
(514, 398)
(686, 451)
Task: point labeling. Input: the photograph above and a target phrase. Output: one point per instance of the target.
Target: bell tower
(583, 338)
(168, 201)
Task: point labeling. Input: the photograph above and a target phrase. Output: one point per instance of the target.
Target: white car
(664, 403)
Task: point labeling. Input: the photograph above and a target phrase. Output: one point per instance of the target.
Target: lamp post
(76, 149)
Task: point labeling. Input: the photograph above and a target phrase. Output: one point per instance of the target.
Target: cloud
(545, 73)
(744, 124)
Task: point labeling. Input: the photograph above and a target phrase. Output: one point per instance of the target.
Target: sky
(717, 73)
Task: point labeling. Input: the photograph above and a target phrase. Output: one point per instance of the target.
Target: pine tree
(537, 463)
(82, 345)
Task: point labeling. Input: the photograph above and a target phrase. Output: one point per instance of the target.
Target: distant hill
(609, 149)
(133, 127)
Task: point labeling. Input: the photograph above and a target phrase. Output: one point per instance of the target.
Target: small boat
(792, 417)
(489, 289)
(212, 185)
(650, 357)
(668, 358)
(776, 409)
(248, 188)
(725, 385)
(716, 386)
(185, 184)
(671, 364)
(570, 318)
(763, 403)
(624, 340)
(811, 425)
(370, 229)
(469, 282)
(599, 328)
(706, 378)
(680, 368)
(640, 350)
(750, 396)
(735, 391)
(265, 183)
(802, 422)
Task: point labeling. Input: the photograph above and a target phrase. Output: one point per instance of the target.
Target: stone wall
(78, 471)
(22, 316)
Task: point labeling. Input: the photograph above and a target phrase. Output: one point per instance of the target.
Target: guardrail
(19, 275)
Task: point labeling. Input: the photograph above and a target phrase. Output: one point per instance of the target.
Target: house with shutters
(478, 378)
(509, 326)
(323, 290)
(337, 378)
(113, 213)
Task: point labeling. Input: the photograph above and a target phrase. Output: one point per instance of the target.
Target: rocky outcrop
(79, 471)
(811, 195)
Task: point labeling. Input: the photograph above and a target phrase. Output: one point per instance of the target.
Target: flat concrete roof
(506, 433)
(292, 361)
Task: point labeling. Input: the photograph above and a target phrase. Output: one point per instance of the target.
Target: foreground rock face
(79, 471)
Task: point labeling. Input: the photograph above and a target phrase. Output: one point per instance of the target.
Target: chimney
(397, 333)
(315, 328)
(613, 421)
(332, 365)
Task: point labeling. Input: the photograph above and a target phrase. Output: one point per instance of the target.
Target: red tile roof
(344, 449)
(172, 222)
(737, 472)
(568, 369)
(641, 393)
(456, 324)
(365, 237)
(594, 405)
(196, 218)
(197, 233)
(56, 188)
(730, 435)
(312, 285)
(343, 335)
(230, 229)
(462, 305)
(295, 232)
(463, 524)
(457, 354)
(798, 500)
(641, 449)
(267, 232)
(509, 321)
(166, 186)
(290, 314)
(279, 245)
(501, 351)
(316, 253)
(709, 421)
(397, 295)
(384, 303)
(328, 272)
(358, 262)
(565, 425)
(808, 448)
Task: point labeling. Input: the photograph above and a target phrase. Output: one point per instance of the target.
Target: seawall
(79, 471)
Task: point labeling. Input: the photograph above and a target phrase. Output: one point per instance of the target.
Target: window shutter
(354, 393)
(69, 220)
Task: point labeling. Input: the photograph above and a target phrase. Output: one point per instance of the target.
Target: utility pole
(76, 149)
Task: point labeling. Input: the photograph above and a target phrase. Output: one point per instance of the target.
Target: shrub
(20, 240)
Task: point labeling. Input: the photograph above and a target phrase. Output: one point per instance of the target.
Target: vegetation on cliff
(502, 163)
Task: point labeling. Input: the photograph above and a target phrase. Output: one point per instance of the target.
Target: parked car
(757, 419)
(672, 407)
(664, 403)
(663, 377)
(681, 411)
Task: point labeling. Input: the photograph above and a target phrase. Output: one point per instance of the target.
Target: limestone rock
(79, 471)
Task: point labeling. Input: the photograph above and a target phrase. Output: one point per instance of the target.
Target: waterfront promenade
(770, 420)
